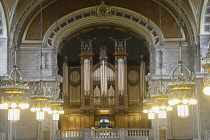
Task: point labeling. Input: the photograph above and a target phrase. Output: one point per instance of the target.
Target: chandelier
(206, 66)
(56, 105)
(40, 97)
(161, 97)
(147, 106)
(15, 88)
(41, 92)
(182, 82)
(182, 86)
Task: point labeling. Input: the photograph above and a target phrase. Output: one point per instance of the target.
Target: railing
(141, 134)
(78, 133)
(138, 132)
(104, 133)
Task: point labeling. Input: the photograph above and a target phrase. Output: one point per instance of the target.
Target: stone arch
(205, 18)
(3, 25)
(3, 41)
(86, 17)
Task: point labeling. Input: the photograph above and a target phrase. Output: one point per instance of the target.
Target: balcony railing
(141, 134)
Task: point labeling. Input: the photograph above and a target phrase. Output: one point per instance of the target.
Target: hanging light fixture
(147, 105)
(182, 82)
(56, 100)
(40, 97)
(56, 105)
(41, 92)
(160, 95)
(161, 101)
(15, 87)
(206, 66)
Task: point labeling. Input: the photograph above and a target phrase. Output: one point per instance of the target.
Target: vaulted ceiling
(191, 4)
(26, 13)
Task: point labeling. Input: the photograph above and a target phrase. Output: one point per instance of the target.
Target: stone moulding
(73, 21)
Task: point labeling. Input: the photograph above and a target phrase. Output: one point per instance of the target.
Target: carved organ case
(103, 85)
(104, 91)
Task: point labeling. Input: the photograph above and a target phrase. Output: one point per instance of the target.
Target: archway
(136, 47)
(73, 22)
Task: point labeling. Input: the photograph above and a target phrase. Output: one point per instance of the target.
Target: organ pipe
(103, 67)
(86, 77)
(121, 76)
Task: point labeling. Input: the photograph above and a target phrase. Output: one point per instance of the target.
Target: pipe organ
(107, 89)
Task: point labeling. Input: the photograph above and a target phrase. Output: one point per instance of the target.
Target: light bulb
(13, 105)
(46, 109)
(193, 101)
(61, 112)
(171, 102)
(185, 101)
(176, 101)
(163, 107)
(4, 106)
(145, 111)
(169, 108)
(24, 105)
(155, 109)
(206, 90)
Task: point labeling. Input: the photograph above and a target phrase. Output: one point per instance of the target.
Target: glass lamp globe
(155, 109)
(206, 90)
(193, 101)
(185, 101)
(171, 102)
(145, 111)
(169, 108)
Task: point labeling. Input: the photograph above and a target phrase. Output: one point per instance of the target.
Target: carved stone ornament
(102, 10)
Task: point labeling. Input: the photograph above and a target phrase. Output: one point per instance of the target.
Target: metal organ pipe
(86, 77)
(120, 76)
(103, 68)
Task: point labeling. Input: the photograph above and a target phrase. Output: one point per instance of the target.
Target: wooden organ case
(104, 91)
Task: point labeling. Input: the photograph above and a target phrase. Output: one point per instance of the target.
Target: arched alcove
(72, 73)
(103, 35)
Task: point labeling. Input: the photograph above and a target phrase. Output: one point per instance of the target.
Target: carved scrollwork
(102, 10)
